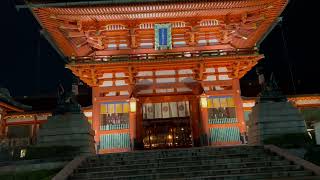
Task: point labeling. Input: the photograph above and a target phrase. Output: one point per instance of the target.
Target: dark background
(30, 67)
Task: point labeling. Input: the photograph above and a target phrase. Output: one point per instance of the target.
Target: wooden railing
(224, 134)
(111, 141)
(161, 56)
(222, 120)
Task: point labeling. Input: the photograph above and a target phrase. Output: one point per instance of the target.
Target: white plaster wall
(185, 71)
(165, 72)
(145, 73)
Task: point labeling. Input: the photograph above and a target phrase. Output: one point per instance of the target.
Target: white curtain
(173, 109)
(182, 109)
(157, 110)
(165, 110)
(150, 111)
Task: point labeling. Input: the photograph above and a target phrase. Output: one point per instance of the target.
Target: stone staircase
(241, 162)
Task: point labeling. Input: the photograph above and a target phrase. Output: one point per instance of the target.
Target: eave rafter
(86, 30)
(92, 73)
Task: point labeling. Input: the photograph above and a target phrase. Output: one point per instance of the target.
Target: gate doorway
(167, 125)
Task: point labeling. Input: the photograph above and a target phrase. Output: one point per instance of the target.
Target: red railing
(161, 56)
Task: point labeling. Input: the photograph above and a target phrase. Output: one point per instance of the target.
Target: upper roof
(83, 27)
(63, 3)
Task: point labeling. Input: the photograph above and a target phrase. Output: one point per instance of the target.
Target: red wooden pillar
(96, 115)
(205, 125)
(204, 119)
(139, 126)
(132, 128)
(239, 105)
(195, 121)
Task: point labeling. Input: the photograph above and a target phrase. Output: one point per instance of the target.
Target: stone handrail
(286, 154)
(69, 168)
(15, 142)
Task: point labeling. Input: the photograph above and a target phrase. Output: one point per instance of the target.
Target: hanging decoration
(166, 110)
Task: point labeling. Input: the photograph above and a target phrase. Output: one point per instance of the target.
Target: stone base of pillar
(204, 140)
(138, 144)
(272, 119)
(69, 129)
(196, 142)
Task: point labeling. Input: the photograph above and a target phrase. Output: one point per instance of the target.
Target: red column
(132, 128)
(239, 105)
(205, 125)
(139, 126)
(96, 114)
(195, 121)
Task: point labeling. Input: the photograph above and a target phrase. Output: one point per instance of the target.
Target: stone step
(156, 158)
(288, 175)
(182, 167)
(166, 153)
(298, 178)
(227, 163)
(192, 173)
(223, 158)
(213, 162)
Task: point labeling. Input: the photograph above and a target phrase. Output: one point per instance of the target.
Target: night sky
(30, 66)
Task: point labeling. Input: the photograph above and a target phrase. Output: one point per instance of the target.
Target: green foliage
(290, 140)
(30, 175)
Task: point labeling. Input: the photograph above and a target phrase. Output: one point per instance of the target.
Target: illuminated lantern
(203, 101)
(133, 104)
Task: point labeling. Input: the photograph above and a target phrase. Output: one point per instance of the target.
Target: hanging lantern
(133, 104)
(203, 101)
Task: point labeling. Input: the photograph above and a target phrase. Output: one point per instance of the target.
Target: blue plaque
(162, 36)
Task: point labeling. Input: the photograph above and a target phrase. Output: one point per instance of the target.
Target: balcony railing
(161, 56)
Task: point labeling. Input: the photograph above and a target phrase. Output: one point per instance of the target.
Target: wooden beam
(201, 70)
(112, 98)
(165, 98)
(166, 86)
(217, 83)
(74, 34)
(93, 78)
(131, 74)
(220, 93)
